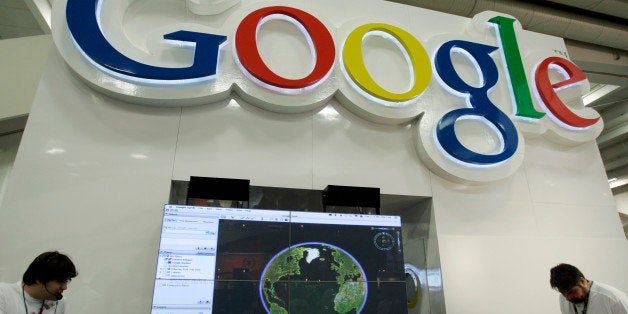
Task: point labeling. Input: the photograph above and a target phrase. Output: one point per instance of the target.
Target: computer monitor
(234, 260)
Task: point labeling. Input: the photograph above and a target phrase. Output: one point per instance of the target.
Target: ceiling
(16, 20)
(599, 27)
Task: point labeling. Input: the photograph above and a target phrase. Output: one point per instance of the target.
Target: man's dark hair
(49, 266)
(564, 276)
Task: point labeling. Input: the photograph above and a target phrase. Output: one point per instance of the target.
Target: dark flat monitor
(219, 192)
(234, 260)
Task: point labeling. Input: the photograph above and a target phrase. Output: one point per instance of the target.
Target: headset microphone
(58, 296)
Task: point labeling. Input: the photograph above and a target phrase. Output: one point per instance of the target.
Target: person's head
(49, 274)
(570, 282)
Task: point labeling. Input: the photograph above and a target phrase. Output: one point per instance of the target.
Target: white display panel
(182, 294)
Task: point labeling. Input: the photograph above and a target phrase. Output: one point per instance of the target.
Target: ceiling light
(598, 91)
(618, 183)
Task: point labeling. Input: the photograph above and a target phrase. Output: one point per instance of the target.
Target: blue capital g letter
(82, 21)
(481, 105)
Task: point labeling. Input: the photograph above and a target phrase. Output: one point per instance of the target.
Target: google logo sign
(343, 68)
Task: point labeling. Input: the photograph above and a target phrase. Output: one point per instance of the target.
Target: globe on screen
(313, 277)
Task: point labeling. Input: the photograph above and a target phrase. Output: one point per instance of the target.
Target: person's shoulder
(608, 291)
(8, 286)
(8, 291)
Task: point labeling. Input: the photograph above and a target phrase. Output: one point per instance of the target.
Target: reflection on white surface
(139, 156)
(330, 114)
(210, 7)
(55, 151)
(427, 279)
(129, 88)
(434, 281)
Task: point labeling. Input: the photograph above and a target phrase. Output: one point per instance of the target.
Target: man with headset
(41, 289)
(580, 295)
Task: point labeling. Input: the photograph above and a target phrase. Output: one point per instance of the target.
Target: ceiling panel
(16, 20)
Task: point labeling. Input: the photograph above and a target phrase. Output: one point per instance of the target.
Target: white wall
(93, 172)
(497, 242)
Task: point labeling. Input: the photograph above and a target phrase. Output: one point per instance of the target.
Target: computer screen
(234, 260)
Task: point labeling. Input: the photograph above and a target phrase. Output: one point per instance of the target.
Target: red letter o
(246, 47)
